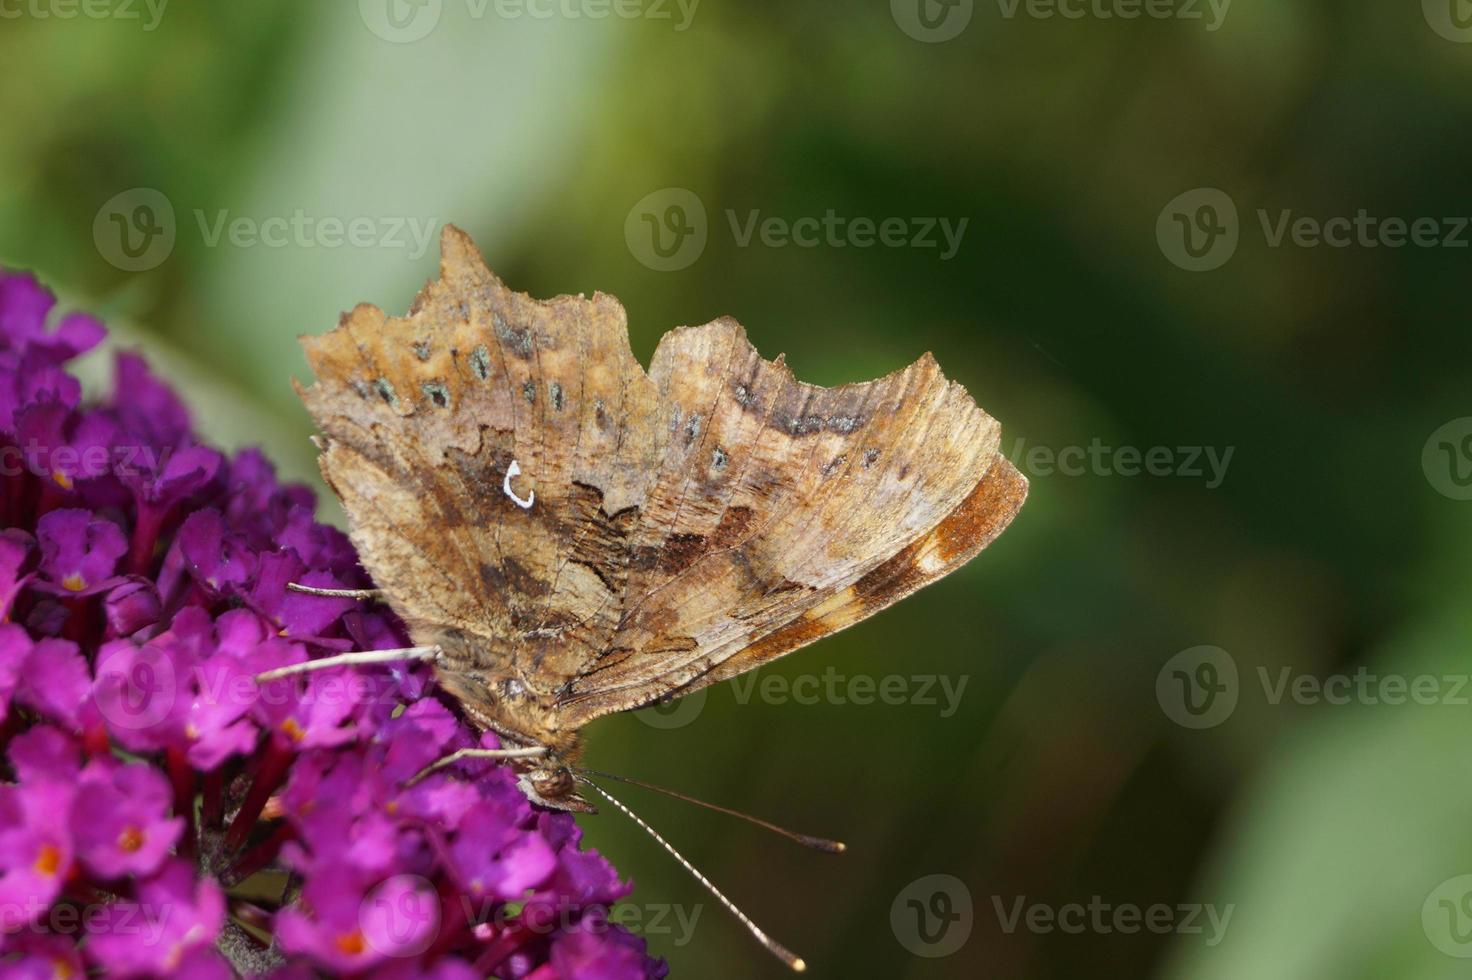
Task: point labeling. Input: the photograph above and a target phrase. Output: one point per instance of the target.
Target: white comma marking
(513, 471)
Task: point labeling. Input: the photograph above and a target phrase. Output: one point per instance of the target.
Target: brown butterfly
(567, 535)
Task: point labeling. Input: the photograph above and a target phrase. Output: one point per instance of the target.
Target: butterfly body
(578, 536)
(497, 699)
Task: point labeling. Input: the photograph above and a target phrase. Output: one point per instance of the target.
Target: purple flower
(35, 849)
(39, 956)
(15, 548)
(78, 550)
(120, 820)
(172, 924)
(596, 950)
(157, 784)
(347, 927)
(53, 675)
(494, 857)
(131, 606)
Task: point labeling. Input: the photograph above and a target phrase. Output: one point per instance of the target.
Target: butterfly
(567, 535)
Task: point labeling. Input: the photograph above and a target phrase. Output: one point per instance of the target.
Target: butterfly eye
(552, 783)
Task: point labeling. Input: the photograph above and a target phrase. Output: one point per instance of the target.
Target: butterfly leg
(366, 594)
(348, 659)
(528, 752)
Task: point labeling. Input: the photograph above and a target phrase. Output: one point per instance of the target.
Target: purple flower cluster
(164, 814)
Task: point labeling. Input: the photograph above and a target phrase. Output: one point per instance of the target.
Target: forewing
(665, 530)
(424, 416)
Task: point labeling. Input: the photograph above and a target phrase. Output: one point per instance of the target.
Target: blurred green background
(1334, 541)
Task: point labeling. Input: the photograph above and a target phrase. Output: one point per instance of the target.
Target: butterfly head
(551, 784)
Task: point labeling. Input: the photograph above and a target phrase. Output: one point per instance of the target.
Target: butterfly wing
(488, 450)
(609, 537)
(783, 512)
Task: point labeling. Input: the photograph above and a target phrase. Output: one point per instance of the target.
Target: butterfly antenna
(806, 840)
(782, 953)
(350, 659)
(366, 594)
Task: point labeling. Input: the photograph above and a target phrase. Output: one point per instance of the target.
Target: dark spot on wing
(480, 363)
(733, 526)
(517, 340)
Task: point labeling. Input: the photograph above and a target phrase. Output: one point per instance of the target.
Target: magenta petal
(56, 681)
(121, 820)
(79, 550)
